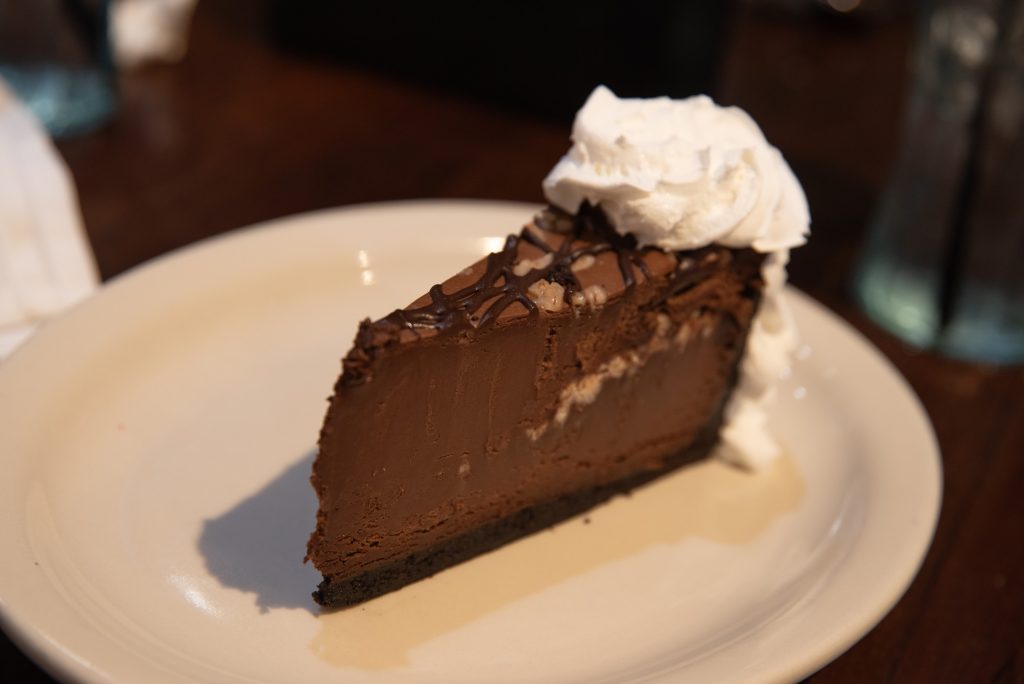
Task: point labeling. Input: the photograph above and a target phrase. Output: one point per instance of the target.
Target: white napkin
(45, 262)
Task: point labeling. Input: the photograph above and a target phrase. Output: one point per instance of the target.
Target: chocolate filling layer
(343, 592)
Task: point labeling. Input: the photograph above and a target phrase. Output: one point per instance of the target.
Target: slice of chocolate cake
(535, 384)
(611, 341)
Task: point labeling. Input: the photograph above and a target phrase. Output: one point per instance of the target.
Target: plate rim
(62, 663)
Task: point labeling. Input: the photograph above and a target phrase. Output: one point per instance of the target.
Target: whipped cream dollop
(683, 174)
(680, 174)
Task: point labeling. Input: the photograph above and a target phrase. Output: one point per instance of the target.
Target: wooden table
(240, 133)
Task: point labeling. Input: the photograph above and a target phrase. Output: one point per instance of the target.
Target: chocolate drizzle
(498, 285)
(480, 303)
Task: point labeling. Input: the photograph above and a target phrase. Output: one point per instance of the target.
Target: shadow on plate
(258, 545)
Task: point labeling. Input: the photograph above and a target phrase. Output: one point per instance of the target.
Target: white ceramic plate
(155, 445)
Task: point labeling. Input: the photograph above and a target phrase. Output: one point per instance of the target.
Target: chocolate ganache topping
(501, 285)
(565, 242)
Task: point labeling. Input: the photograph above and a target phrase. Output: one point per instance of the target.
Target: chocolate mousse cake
(590, 355)
(538, 382)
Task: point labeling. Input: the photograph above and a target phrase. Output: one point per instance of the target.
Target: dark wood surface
(240, 132)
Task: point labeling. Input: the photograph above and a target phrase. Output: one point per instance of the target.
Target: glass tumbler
(55, 55)
(943, 265)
